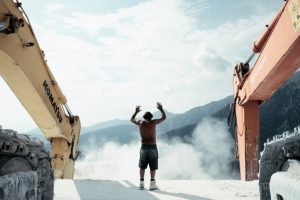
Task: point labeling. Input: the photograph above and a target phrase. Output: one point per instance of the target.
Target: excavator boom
(279, 58)
(25, 70)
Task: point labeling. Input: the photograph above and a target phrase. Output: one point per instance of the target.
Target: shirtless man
(148, 152)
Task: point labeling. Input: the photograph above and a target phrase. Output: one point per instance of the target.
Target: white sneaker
(153, 185)
(141, 187)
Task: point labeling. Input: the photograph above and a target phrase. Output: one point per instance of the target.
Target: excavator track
(21, 153)
(276, 153)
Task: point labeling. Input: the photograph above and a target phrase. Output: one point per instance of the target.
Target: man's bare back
(147, 131)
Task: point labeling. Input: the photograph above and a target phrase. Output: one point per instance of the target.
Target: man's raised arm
(163, 114)
(137, 110)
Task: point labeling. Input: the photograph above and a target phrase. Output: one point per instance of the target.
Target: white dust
(208, 156)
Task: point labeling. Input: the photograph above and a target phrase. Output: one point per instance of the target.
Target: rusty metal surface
(279, 58)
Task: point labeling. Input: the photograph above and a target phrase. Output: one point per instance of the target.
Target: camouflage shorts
(148, 155)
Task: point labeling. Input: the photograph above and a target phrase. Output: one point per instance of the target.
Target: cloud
(53, 7)
(153, 51)
(234, 41)
(14, 115)
(210, 63)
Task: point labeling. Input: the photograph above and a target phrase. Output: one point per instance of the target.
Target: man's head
(148, 116)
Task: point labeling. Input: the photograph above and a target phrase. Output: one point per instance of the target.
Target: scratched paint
(294, 10)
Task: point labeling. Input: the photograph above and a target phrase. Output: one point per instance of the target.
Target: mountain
(107, 129)
(170, 115)
(123, 131)
(120, 134)
(127, 133)
(38, 134)
(194, 115)
(183, 134)
(103, 125)
(89, 129)
(281, 113)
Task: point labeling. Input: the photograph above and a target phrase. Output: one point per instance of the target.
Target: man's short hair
(148, 116)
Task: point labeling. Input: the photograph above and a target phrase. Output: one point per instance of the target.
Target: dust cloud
(208, 156)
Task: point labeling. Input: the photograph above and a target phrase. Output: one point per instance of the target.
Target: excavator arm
(278, 59)
(25, 70)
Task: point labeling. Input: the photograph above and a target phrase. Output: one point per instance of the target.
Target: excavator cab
(11, 24)
(241, 69)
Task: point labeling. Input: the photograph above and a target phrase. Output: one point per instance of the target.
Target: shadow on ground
(110, 190)
(179, 195)
(123, 190)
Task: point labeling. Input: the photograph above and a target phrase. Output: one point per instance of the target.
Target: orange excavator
(279, 58)
(25, 166)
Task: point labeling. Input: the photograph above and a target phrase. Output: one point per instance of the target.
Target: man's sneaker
(141, 187)
(153, 185)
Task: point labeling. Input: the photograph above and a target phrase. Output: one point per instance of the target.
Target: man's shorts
(148, 155)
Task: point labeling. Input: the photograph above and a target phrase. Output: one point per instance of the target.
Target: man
(148, 152)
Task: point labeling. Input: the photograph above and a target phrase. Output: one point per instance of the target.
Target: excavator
(25, 166)
(278, 57)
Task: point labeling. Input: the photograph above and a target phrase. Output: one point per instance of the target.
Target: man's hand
(137, 109)
(163, 117)
(159, 106)
(133, 120)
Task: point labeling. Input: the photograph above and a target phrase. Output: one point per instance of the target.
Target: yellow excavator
(25, 166)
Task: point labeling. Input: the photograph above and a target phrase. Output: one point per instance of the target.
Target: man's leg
(152, 174)
(153, 167)
(153, 185)
(142, 174)
(142, 165)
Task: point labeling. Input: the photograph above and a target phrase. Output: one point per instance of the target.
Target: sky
(109, 56)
